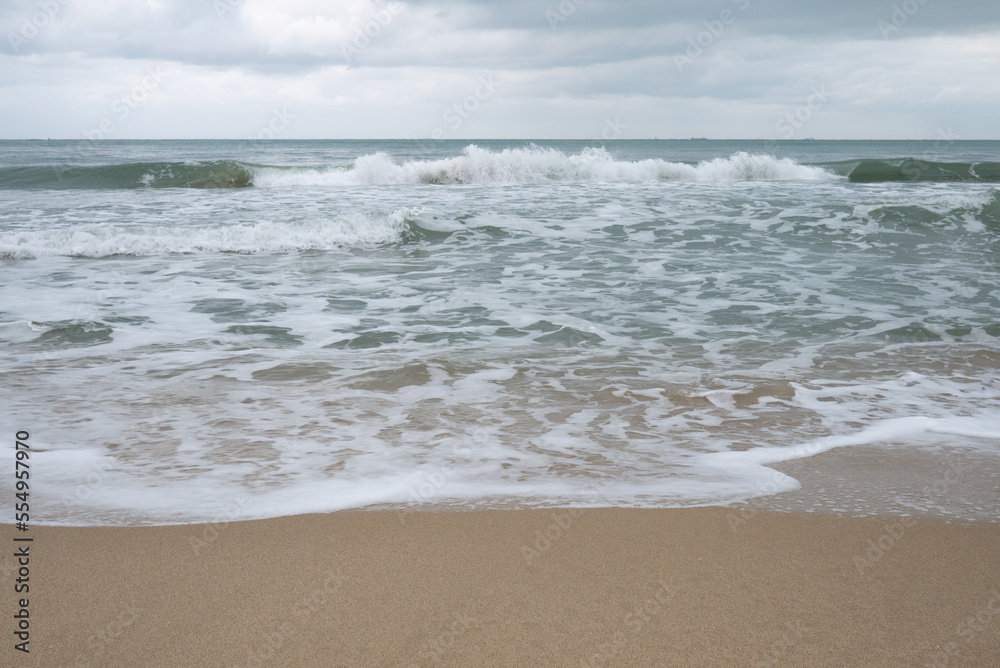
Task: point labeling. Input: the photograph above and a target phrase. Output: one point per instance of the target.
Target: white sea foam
(22, 330)
(541, 165)
(654, 343)
(108, 239)
(391, 429)
(84, 484)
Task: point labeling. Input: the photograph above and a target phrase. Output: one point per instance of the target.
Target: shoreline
(579, 587)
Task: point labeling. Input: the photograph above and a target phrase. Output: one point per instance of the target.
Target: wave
(209, 174)
(912, 169)
(105, 240)
(476, 165)
(542, 165)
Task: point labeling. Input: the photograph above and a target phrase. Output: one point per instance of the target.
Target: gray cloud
(845, 18)
(672, 65)
(481, 33)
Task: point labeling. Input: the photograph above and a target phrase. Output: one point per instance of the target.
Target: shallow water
(393, 323)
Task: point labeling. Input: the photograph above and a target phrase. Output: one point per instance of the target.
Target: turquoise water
(203, 329)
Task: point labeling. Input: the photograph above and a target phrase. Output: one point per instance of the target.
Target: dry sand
(616, 587)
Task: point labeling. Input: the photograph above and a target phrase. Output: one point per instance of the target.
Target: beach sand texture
(608, 587)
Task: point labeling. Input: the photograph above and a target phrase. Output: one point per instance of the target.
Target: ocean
(219, 330)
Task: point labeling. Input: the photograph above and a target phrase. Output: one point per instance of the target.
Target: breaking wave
(105, 240)
(476, 165)
(542, 165)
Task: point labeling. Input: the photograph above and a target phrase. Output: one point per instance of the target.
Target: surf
(915, 169)
(134, 175)
(475, 165)
(536, 165)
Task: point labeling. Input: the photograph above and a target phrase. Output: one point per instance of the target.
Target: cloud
(387, 68)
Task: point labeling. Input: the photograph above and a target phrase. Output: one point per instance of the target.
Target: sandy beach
(320, 321)
(691, 587)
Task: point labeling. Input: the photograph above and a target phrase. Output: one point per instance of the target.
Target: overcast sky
(481, 69)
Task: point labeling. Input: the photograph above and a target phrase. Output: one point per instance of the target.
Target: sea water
(205, 330)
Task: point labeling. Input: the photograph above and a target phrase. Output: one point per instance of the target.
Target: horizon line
(443, 140)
